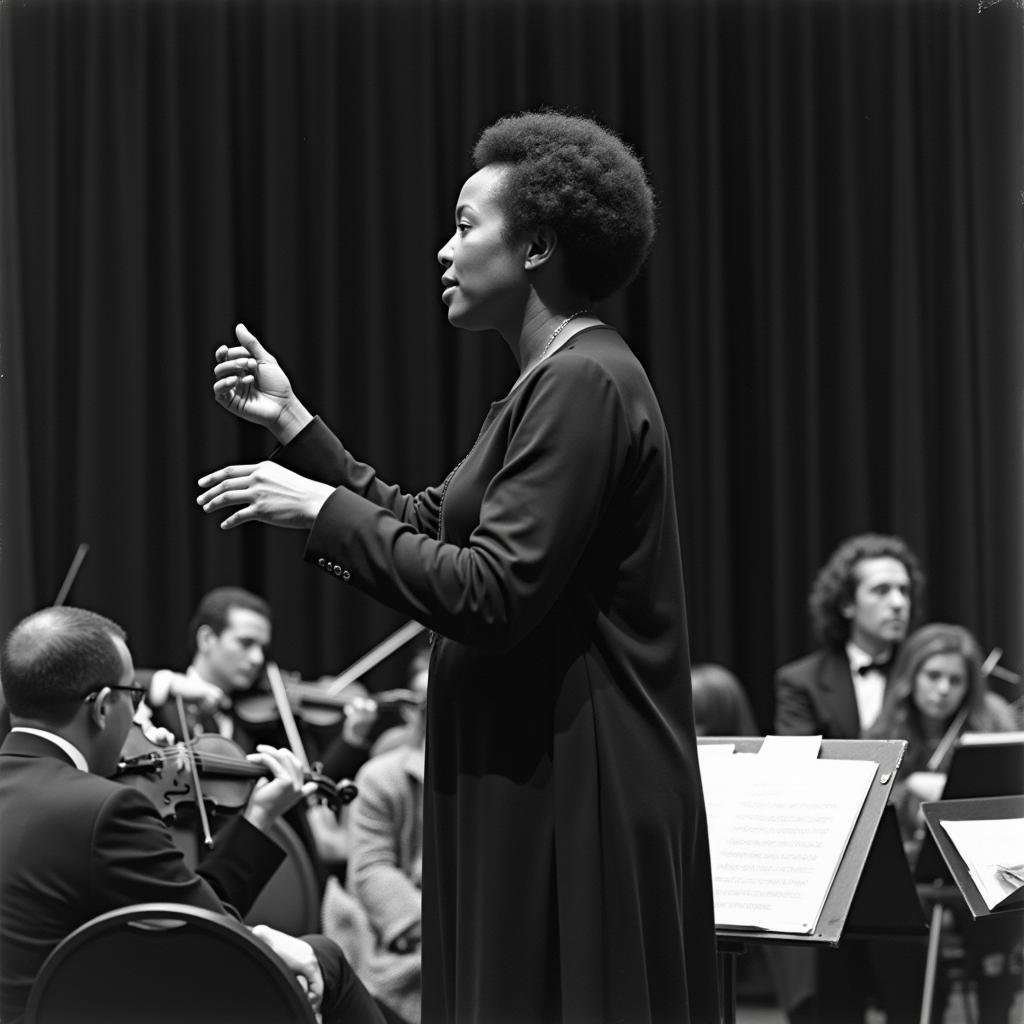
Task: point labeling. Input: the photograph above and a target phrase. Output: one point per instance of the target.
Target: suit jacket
(815, 695)
(74, 845)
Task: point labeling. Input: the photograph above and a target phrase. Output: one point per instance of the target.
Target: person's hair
(836, 583)
(720, 705)
(900, 717)
(216, 605)
(56, 656)
(572, 175)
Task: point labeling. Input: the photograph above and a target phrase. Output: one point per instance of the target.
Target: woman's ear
(543, 243)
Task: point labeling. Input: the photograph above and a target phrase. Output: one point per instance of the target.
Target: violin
(323, 703)
(165, 774)
(262, 708)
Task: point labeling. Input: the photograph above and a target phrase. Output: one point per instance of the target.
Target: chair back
(165, 963)
(290, 900)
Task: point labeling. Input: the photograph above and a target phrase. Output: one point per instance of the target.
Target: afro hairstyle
(578, 178)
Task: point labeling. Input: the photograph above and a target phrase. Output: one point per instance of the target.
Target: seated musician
(75, 843)
(230, 632)
(937, 692)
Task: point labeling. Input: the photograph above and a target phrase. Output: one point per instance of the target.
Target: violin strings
(224, 761)
(210, 760)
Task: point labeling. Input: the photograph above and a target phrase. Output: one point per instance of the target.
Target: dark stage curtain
(831, 314)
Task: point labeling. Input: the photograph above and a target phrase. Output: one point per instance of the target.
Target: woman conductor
(566, 874)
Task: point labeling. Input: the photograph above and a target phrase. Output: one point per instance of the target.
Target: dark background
(832, 313)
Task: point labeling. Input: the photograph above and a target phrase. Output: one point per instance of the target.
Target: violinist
(230, 632)
(938, 692)
(75, 843)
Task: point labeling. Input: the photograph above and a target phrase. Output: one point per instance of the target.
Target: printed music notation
(778, 827)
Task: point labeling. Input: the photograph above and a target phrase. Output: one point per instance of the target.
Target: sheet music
(986, 846)
(778, 828)
(792, 748)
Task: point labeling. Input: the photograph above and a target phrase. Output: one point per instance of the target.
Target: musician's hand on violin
(360, 718)
(156, 734)
(249, 382)
(299, 957)
(266, 493)
(198, 691)
(272, 797)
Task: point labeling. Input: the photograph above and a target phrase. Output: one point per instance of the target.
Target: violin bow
(284, 709)
(991, 667)
(952, 734)
(194, 770)
(69, 579)
(345, 791)
(370, 660)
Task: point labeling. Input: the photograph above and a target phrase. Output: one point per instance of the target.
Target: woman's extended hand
(267, 493)
(249, 382)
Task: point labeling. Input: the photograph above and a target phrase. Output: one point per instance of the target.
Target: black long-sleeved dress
(566, 868)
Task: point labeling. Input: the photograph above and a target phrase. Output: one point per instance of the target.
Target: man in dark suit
(863, 602)
(75, 843)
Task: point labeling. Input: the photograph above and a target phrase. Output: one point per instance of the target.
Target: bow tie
(875, 666)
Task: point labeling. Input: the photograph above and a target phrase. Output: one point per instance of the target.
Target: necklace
(544, 351)
(558, 330)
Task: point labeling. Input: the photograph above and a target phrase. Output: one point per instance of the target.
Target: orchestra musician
(938, 692)
(75, 843)
(566, 869)
(863, 601)
(229, 632)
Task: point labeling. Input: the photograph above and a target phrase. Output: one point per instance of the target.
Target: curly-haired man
(863, 602)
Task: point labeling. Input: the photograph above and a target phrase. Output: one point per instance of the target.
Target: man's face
(234, 659)
(879, 613)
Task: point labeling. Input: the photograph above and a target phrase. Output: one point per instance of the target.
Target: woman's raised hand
(266, 493)
(249, 382)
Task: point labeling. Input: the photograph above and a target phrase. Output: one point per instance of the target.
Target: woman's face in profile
(940, 686)
(484, 281)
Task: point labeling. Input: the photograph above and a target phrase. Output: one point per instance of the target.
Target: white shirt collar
(77, 758)
(869, 690)
(857, 656)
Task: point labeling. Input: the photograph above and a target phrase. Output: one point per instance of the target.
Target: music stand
(872, 877)
(983, 765)
(977, 809)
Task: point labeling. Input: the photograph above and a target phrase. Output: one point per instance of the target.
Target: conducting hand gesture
(266, 493)
(249, 382)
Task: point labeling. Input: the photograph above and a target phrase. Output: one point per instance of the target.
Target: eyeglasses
(137, 692)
